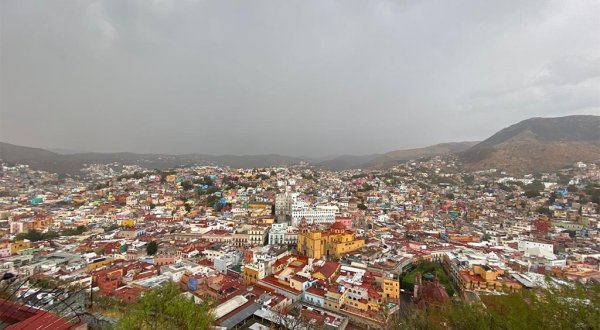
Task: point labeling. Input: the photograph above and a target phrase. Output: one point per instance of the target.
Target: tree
(165, 308)
(186, 185)
(544, 210)
(532, 193)
(212, 200)
(433, 268)
(560, 307)
(469, 179)
(35, 235)
(533, 189)
(504, 187)
(552, 198)
(291, 317)
(152, 248)
(32, 235)
(595, 197)
(72, 232)
(111, 227)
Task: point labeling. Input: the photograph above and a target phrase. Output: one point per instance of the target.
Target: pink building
(347, 222)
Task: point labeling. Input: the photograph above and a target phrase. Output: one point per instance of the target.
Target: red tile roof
(23, 317)
(328, 269)
(316, 291)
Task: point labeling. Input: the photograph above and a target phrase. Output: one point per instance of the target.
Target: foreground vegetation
(165, 308)
(566, 307)
(427, 268)
(576, 307)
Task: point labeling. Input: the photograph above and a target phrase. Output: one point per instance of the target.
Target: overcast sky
(291, 77)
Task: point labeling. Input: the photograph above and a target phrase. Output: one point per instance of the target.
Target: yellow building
(92, 266)
(299, 283)
(331, 243)
(250, 275)
(253, 272)
(486, 279)
(18, 246)
(39, 222)
(560, 213)
(335, 299)
(128, 222)
(391, 288)
(260, 205)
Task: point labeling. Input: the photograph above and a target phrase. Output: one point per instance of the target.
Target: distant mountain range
(538, 145)
(533, 145)
(71, 163)
(389, 159)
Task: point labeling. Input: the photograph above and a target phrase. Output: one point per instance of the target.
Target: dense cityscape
(299, 165)
(345, 249)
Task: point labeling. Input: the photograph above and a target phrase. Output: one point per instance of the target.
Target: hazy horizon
(66, 151)
(304, 79)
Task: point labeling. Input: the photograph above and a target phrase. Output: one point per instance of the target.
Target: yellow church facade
(332, 243)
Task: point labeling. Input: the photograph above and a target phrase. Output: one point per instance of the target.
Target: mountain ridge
(43, 159)
(391, 158)
(537, 144)
(532, 145)
(39, 158)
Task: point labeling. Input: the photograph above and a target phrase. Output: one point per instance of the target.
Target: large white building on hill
(289, 208)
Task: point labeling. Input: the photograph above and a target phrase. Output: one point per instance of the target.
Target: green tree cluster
(166, 308)
(568, 307)
(135, 175)
(534, 189)
(111, 227)
(187, 185)
(365, 187)
(532, 193)
(593, 190)
(152, 248)
(427, 267)
(73, 232)
(544, 210)
(36, 235)
(212, 200)
(262, 177)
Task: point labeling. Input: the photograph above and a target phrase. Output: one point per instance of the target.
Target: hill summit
(538, 145)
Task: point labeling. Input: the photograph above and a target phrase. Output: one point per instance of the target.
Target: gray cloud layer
(292, 77)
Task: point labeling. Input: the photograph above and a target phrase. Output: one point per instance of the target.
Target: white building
(289, 208)
(525, 246)
(281, 233)
(257, 235)
(316, 215)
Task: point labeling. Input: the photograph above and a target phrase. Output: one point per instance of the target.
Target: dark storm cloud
(291, 77)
